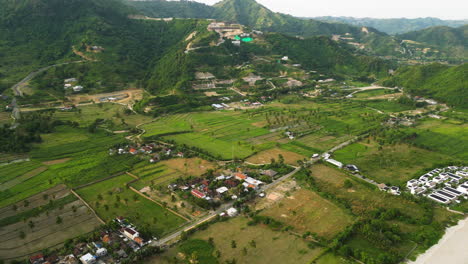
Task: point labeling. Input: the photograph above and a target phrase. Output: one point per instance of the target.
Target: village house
(438, 198)
(130, 233)
(36, 259)
(222, 190)
(88, 259)
(240, 176)
(232, 212)
(198, 194)
(69, 259)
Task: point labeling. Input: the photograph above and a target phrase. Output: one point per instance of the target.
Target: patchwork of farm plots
(231, 134)
(112, 198)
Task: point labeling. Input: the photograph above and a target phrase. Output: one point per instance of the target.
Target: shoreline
(452, 247)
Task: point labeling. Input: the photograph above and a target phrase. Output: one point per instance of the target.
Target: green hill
(36, 33)
(395, 25)
(179, 9)
(451, 40)
(444, 83)
(256, 16)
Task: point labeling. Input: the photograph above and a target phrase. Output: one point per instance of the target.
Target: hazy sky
(445, 9)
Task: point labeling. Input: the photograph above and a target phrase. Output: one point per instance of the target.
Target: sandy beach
(452, 248)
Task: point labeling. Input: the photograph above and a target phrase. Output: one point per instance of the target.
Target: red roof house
(198, 194)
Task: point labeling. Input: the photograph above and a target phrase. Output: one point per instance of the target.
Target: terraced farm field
(51, 229)
(223, 134)
(88, 159)
(111, 198)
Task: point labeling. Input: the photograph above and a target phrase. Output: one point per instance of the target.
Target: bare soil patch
(191, 166)
(209, 94)
(58, 161)
(306, 211)
(266, 156)
(123, 97)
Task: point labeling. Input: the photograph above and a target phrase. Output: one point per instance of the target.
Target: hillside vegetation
(441, 82)
(41, 33)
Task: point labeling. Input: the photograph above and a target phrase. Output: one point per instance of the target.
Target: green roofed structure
(248, 39)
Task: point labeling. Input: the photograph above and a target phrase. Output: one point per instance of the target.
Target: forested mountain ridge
(248, 12)
(441, 82)
(451, 40)
(395, 25)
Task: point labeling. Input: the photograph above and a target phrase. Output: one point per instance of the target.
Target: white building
(232, 212)
(463, 188)
(78, 88)
(222, 190)
(335, 162)
(88, 259)
(101, 252)
(70, 80)
(131, 233)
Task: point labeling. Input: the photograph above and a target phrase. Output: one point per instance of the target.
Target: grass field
(323, 142)
(360, 198)
(389, 106)
(5, 118)
(371, 93)
(111, 198)
(330, 258)
(393, 164)
(306, 211)
(270, 246)
(447, 137)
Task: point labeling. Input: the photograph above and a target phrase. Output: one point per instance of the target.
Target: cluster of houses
(85, 253)
(443, 185)
(154, 151)
(130, 234)
(227, 185)
(71, 84)
(113, 247)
